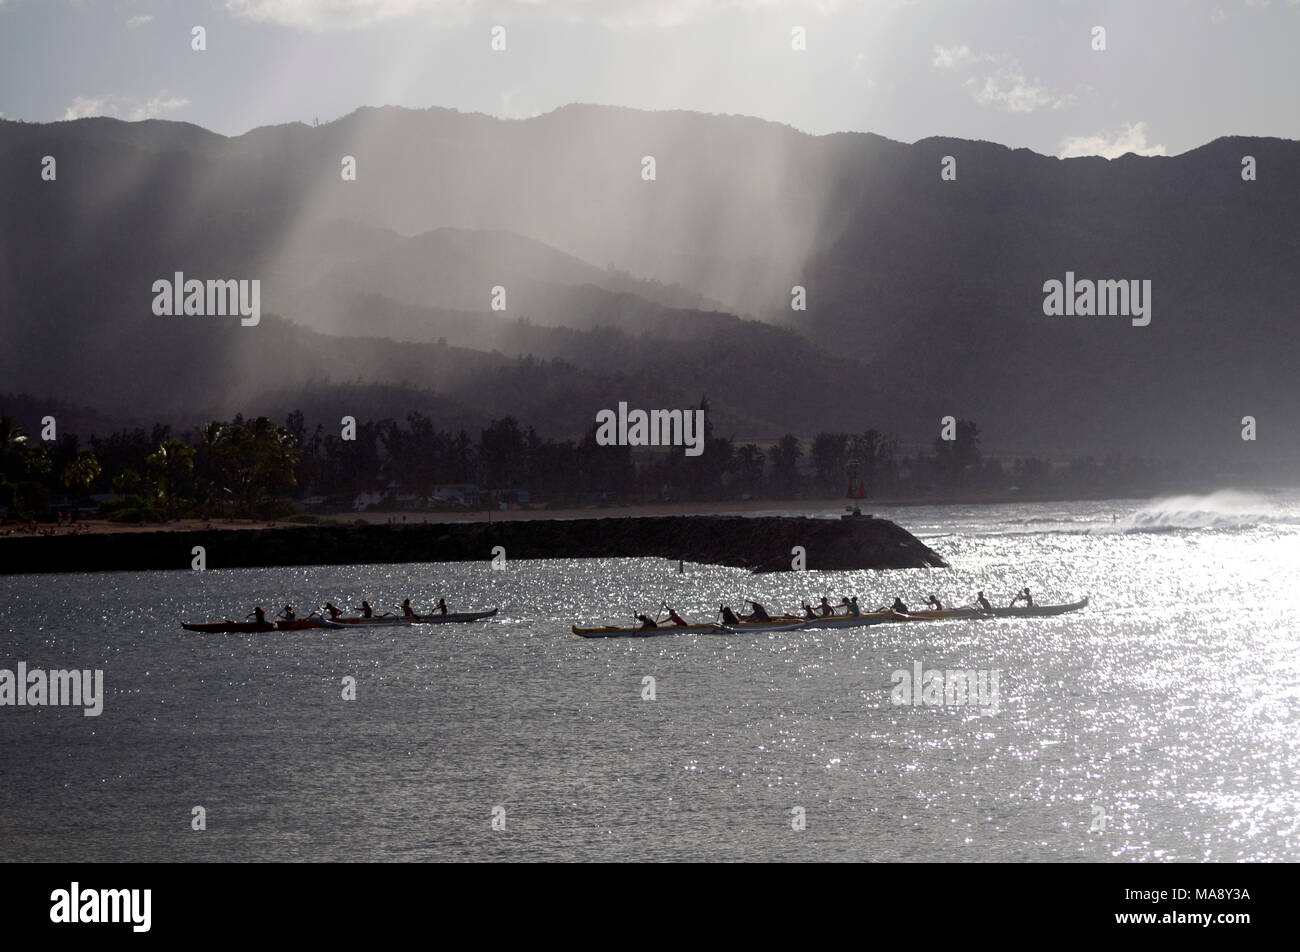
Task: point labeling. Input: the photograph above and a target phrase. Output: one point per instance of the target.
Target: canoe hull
(1038, 611)
(816, 624)
(613, 632)
(452, 617)
(299, 624)
(395, 621)
(944, 614)
(709, 628)
(226, 627)
(794, 623)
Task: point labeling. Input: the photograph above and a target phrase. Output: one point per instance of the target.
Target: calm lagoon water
(1167, 711)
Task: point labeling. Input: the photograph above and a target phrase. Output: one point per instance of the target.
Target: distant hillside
(924, 296)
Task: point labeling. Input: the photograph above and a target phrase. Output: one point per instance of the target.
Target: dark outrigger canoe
(386, 621)
(830, 621)
(315, 621)
(797, 623)
(1036, 611)
(376, 621)
(233, 627)
(226, 627)
(452, 616)
(298, 624)
(778, 622)
(1018, 611)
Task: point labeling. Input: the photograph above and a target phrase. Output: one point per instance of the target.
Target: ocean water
(1160, 723)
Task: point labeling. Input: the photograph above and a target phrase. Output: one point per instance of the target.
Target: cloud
(134, 22)
(1010, 89)
(85, 106)
(1006, 87)
(156, 107)
(357, 14)
(1132, 139)
(950, 57)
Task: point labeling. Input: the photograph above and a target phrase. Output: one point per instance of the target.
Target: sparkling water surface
(1165, 712)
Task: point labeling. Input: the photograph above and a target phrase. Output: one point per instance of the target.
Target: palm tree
(80, 473)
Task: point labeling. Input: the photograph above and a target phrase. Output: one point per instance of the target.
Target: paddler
(646, 621)
(407, 610)
(934, 603)
(367, 611)
(757, 613)
(258, 614)
(1023, 593)
(898, 606)
(442, 606)
(853, 607)
(289, 614)
(676, 618)
(825, 607)
(728, 616)
(983, 602)
(334, 610)
(808, 611)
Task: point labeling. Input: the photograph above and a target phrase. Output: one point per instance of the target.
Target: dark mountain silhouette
(924, 296)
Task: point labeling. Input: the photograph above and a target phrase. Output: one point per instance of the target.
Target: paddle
(672, 617)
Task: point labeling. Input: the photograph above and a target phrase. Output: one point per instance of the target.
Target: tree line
(257, 468)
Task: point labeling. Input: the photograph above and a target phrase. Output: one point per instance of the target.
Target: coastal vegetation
(256, 468)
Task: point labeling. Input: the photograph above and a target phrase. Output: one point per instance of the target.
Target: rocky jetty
(763, 544)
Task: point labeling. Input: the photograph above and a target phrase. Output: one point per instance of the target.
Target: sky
(1174, 74)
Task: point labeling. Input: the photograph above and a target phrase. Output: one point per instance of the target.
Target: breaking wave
(1224, 509)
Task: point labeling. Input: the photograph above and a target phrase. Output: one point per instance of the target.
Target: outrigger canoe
(386, 621)
(226, 627)
(452, 616)
(1019, 611)
(298, 624)
(798, 623)
(231, 627)
(668, 628)
(1037, 611)
(832, 621)
(945, 614)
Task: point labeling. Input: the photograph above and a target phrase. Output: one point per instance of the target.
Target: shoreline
(414, 518)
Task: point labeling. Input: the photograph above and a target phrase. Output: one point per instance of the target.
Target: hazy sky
(1174, 75)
